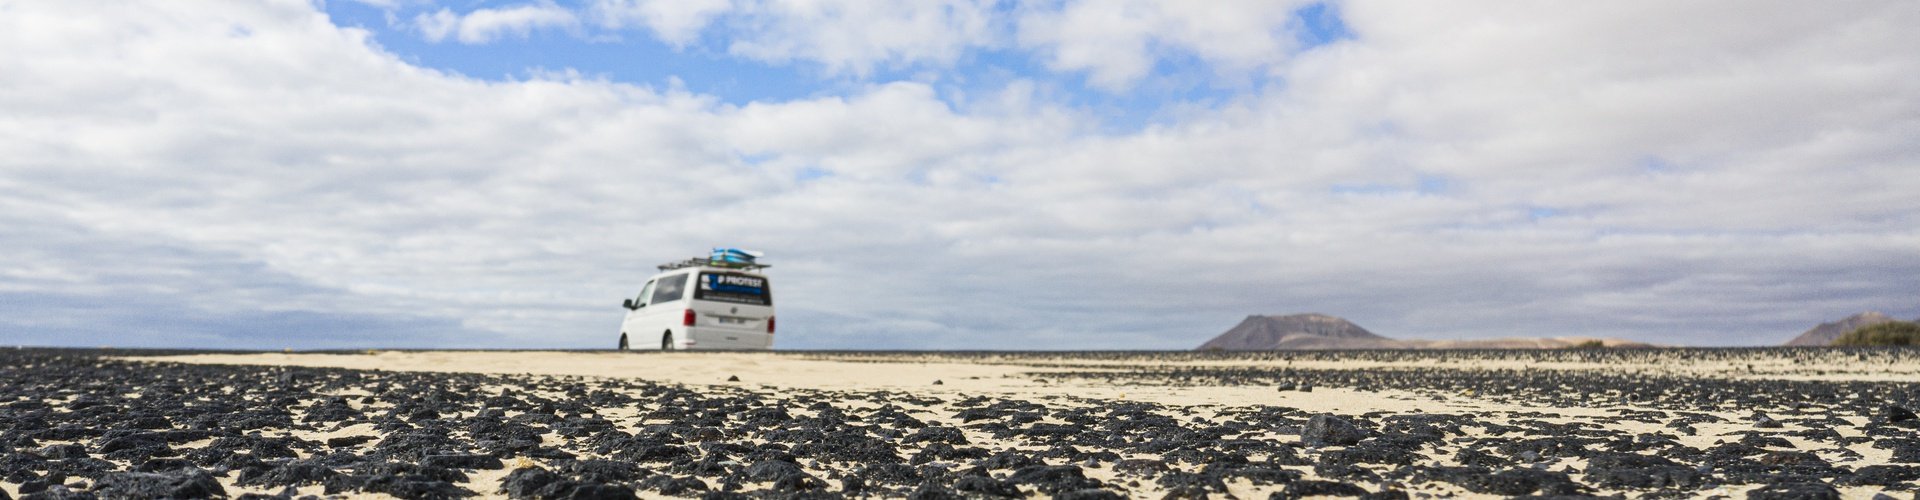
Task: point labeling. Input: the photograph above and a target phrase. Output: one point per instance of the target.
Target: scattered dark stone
(63, 451)
(1327, 429)
(733, 378)
(571, 490)
(1385, 495)
(986, 486)
(1894, 414)
(1054, 479)
(60, 493)
(1364, 454)
(408, 486)
(144, 440)
(934, 491)
(67, 429)
(1016, 460)
(1792, 459)
(1511, 482)
(182, 484)
(525, 482)
(937, 434)
(413, 445)
(1758, 441)
(163, 465)
(1628, 470)
(772, 470)
(1308, 488)
(292, 473)
(673, 486)
(1178, 481)
(335, 409)
(603, 471)
(349, 441)
(799, 481)
(1882, 475)
(1905, 451)
(1089, 494)
(1480, 458)
(463, 461)
(1794, 491)
(1262, 476)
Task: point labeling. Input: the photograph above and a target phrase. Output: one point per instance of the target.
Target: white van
(701, 304)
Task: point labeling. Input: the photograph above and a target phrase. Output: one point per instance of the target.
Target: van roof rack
(707, 262)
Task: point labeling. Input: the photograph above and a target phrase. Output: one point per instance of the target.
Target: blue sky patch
(1322, 25)
(1179, 81)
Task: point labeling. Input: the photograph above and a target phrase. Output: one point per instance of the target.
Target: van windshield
(734, 288)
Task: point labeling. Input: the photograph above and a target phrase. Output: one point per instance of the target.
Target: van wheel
(666, 342)
(623, 341)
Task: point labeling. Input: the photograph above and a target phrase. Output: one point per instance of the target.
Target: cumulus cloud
(855, 37)
(485, 25)
(1118, 43)
(677, 22)
(1707, 174)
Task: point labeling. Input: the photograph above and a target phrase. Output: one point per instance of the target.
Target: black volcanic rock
(185, 484)
(63, 432)
(525, 482)
(1326, 429)
(1826, 333)
(1295, 331)
(1891, 414)
(1797, 491)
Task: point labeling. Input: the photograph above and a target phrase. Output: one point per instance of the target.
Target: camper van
(698, 303)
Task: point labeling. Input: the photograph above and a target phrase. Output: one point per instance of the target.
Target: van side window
(671, 289)
(644, 292)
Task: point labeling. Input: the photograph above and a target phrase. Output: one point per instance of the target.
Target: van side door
(660, 313)
(632, 324)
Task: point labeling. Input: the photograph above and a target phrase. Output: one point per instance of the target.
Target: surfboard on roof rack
(734, 255)
(709, 262)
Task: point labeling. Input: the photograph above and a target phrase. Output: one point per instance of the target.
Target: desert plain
(1634, 423)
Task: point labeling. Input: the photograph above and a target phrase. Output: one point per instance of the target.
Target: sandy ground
(1026, 377)
(854, 372)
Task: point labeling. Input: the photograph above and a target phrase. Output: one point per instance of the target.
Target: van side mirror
(628, 304)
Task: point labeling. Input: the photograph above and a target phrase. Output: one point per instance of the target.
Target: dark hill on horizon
(1294, 331)
(1310, 331)
(1826, 333)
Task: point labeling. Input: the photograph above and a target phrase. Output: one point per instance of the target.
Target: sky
(954, 174)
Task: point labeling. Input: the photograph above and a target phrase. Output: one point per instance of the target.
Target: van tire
(666, 342)
(623, 341)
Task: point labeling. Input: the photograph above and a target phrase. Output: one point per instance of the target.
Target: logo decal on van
(735, 288)
(734, 283)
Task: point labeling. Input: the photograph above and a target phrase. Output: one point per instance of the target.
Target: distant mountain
(1320, 331)
(1295, 331)
(1827, 332)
